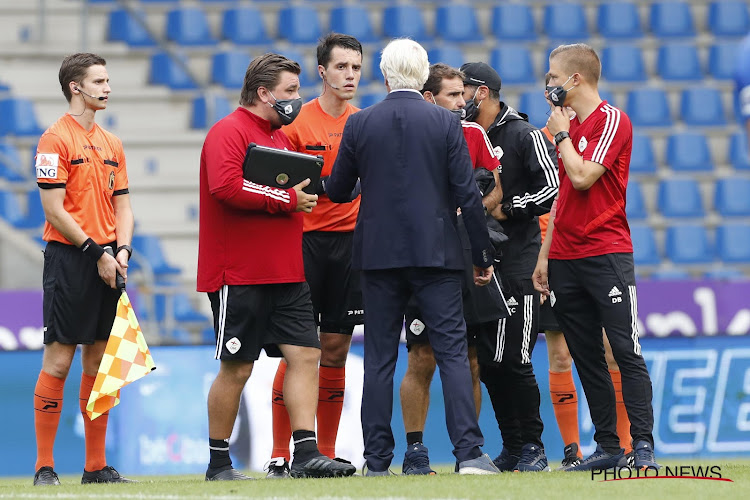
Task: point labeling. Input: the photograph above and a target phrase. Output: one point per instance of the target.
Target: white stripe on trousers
(223, 294)
(500, 341)
(634, 319)
(528, 321)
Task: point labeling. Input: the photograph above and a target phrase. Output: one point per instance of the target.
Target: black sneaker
(532, 459)
(322, 466)
(230, 474)
(45, 476)
(644, 456)
(598, 460)
(277, 468)
(505, 461)
(107, 475)
(571, 457)
(417, 461)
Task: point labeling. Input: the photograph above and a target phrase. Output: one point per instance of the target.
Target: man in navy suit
(414, 167)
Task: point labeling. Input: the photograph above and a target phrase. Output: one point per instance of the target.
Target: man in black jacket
(530, 183)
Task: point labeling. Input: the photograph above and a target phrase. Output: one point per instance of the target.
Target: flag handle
(120, 280)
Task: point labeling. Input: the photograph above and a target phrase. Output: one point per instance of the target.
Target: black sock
(219, 449)
(413, 438)
(305, 445)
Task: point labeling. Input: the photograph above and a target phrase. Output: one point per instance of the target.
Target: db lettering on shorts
(46, 165)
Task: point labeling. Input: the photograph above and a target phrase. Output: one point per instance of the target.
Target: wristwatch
(561, 136)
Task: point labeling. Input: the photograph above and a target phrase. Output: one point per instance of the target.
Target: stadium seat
(299, 24)
(635, 206)
(165, 70)
(182, 309)
(451, 55)
(457, 23)
(608, 96)
(565, 21)
(739, 155)
(189, 26)
(228, 68)
(670, 275)
(728, 18)
(17, 117)
(244, 26)
(11, 168)
(648, 107)
(366, 100)
(619, 20)
(642, 157)
(671, 19)
(721, 60)
(208, 109)
(680, 197)
(34, 215)
(534, 104)
(10, 208)
(688, 151)
(688, 244)
(514, 64)
(513, 21)
(678, 61)
(733, 242)
(149, 247)
(732, 196)
(724, 274)
(702, 106)
(353, 20)
(129, 27)
(623, 63)
(307, 78)
(404, 21)
(645, 250)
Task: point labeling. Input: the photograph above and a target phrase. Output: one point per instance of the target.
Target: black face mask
(471, 110)
(557, 94)
(288, 109)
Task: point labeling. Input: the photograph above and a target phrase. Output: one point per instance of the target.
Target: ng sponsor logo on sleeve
(46, 165)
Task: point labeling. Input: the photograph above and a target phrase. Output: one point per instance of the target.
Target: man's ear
(483, 92)
(428, 96)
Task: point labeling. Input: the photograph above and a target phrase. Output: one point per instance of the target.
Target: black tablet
(281, 169)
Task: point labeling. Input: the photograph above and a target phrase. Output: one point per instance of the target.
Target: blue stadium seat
(565, 21)
(680, 197)
(457, 23)
(307, 78)
(739, 155)
(189, 26)
(645, 250)
(623, 63)
(619, 20)
(34, 216)
(635, 205)
(208, 109)
(670, 275)
(128, 27)
(534, 104)
(728, 18)
(607, 95)
(244, 26)
(17, 117)
(165, 70)
(353, 20)
(671, 19)
(678, 61)
(299, 24)
(228, 68)
(702, 106)
(733, 242)
(721, 60)
(366, 100)
(689, 151)
(11, 168)
(642, 158)
(404, 21)
(732, 196)
(149, 248)
(10, 208)
(688, 244)
(451, 55)
(724, 274)
(648, 107)
(182, 309)
(513, 21)
(514, 64)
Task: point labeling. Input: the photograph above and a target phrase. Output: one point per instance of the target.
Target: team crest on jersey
(46, 165)
(111, 184)
(416, 327)
(498, 152)
(233, 345)
(582, 144)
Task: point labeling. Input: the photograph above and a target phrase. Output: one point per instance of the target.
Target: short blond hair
(579, 58)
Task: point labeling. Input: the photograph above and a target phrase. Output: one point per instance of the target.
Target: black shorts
(334, 286)
(78, 307)
(249, 318)
(547, 320)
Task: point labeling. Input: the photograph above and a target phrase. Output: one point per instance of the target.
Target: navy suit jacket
(414, 167)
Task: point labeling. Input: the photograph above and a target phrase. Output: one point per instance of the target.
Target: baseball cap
(479, 73)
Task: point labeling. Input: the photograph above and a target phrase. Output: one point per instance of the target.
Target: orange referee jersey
(90, 165)
(315, 132)
(544, 219)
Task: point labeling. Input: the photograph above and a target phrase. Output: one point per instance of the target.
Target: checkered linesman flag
(126, 359)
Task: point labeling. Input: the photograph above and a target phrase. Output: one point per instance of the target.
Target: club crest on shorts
(416, 327)
(552, 298)
(233, 345)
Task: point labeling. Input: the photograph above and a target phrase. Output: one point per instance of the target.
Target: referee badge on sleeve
(46, 165)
